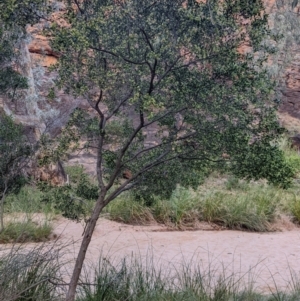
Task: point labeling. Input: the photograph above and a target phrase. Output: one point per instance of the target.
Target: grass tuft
(130, 212)
(28, 231)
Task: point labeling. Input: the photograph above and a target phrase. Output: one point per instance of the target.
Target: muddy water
(266, 259)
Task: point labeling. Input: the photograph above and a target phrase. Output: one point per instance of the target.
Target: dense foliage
(14, 154)
(178, 71)
(71, 200)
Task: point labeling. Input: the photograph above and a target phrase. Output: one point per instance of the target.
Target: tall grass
(35, 275)
(28, 275)
(131, 280)
(21, 223)
(25, 231)
(127, 211)
(233, 204)
(223, 200)
(291, 155)
(28, 200)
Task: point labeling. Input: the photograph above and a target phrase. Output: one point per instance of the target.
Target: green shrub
(74, 201)
(127, 210)
(294, 160)
(65, 201)
(75, 172)
(291, 155)
(85, 189)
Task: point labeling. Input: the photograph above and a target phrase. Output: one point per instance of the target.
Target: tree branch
(97, 105)
(153, 74)
(168, 71)
(123, 151)
(123, 186)
(157, 146)
(115, 111)
(101, 141)
(118, 56)
(147, 39)
(78, 6)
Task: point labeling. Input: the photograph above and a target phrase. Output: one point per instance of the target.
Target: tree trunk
(84, 246)
(1, 214)
(2, 209)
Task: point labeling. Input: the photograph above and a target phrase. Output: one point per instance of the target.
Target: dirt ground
(268, 260)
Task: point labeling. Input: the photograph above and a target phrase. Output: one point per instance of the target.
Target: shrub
(65, 201)
(74, 200)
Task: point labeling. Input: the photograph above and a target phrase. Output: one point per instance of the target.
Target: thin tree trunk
(84, 246)
(2, 213)
(2, 209)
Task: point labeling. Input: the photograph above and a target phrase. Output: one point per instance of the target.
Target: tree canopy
(175, 69)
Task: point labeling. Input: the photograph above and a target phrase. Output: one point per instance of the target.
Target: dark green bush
(71, 200)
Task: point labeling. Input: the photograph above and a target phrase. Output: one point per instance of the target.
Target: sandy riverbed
(270, 257)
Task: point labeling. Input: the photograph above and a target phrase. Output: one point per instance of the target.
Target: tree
(170, 89)
(14, 148)
(15, 152)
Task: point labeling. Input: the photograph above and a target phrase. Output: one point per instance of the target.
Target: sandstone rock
(40, 45)
(53, 174)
